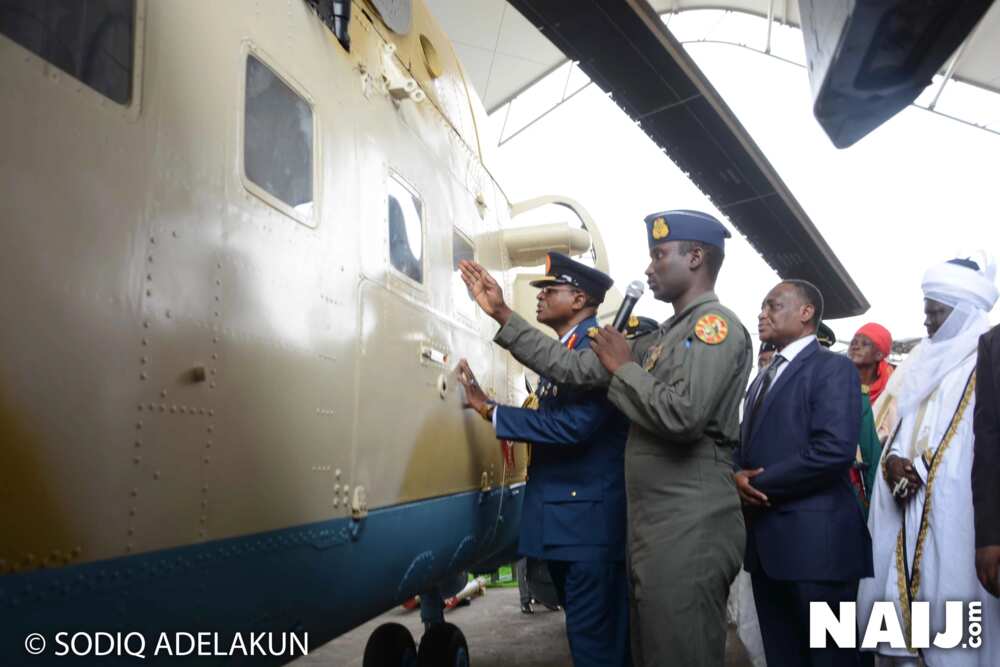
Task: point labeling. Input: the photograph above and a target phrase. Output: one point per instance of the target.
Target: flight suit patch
(711, 329)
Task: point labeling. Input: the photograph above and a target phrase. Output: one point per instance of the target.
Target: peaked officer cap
(561, 270)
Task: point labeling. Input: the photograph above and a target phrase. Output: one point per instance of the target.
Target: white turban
(953, 284)
(971, 294)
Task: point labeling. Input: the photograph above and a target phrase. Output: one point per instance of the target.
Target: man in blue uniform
(574, 501)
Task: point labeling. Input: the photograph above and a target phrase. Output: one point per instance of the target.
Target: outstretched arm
(527, 344)
(563, 425)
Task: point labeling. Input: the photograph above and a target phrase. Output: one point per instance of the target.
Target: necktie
(765, 384)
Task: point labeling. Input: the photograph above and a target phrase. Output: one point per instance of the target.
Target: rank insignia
(591, 332)
(633, 322)
(711, 329)
(652, 357)
(660, 229)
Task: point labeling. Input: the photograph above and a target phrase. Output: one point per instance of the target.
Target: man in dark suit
(574, 502)
(806, 538)
(986, 464)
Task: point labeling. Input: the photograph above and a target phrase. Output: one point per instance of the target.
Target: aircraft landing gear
(443, 645)
(391, 645)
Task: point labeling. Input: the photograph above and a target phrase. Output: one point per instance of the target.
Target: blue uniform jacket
(805, 437)
(574, 501)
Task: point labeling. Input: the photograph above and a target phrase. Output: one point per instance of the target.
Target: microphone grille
(635, 289)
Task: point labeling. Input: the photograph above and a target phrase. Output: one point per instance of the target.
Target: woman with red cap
(869, 349)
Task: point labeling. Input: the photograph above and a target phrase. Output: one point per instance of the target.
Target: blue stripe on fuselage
(322, 578)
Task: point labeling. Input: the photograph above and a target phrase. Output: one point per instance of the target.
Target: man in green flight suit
(681, 386)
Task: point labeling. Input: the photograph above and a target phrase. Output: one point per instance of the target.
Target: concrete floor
(497, 632)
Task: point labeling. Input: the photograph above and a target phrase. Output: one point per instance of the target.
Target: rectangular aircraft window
(278, 138)
(91, 40)
(406, 230)
(461, 249)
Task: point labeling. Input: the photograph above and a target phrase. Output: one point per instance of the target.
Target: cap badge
(711, 329)
(660, 229)
(633, 322)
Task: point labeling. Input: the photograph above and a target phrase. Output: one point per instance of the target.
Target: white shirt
(789, 352)
(561, 340)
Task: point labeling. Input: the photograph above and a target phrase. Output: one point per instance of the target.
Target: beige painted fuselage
(189, 358)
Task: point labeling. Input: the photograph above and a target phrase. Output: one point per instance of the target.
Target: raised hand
(485, 290)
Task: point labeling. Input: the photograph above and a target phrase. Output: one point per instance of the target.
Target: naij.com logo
(963, 626)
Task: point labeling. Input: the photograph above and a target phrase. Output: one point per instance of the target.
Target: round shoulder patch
(711, 329)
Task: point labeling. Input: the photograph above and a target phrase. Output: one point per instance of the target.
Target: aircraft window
(91, 40)
(406, 233)
(462, 248)
(278, 138)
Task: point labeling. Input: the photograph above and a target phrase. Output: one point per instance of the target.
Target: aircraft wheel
(391, 645)
(443, 645)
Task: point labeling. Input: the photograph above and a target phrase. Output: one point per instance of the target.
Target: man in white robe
(923, 538)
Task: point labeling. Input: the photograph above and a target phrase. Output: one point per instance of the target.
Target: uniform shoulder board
(711, 329)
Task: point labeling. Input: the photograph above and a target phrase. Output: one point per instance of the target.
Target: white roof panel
(503, 54)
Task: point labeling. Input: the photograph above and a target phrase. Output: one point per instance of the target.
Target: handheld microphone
(632, 294)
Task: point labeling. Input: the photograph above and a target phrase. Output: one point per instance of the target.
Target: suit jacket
(574, 501)
(986, 425)
(805, 437)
